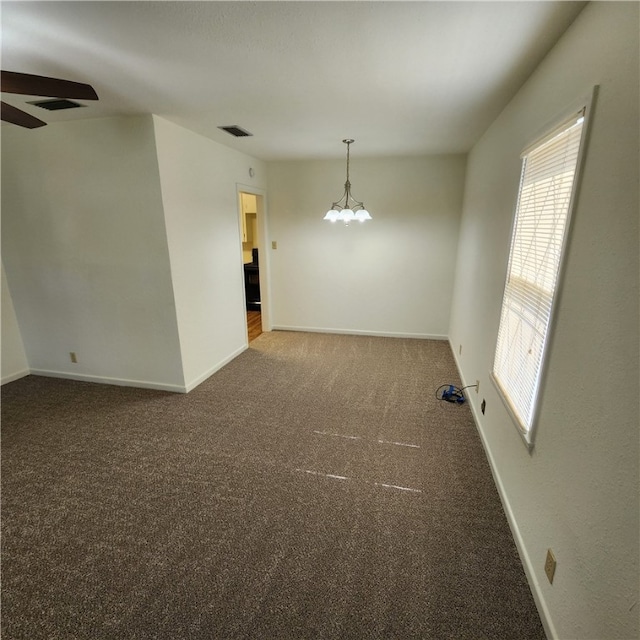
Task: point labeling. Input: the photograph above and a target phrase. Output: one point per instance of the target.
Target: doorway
(249, 205)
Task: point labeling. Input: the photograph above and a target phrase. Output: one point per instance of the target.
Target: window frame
(585, 106)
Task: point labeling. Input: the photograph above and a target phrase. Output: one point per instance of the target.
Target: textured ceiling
(402, 78)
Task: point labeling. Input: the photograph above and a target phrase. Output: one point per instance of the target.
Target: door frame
(262, 243)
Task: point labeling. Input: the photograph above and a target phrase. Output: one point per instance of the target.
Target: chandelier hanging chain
(348, 143)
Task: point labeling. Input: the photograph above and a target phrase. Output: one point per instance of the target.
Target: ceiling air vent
(236, 131)
(55, 105)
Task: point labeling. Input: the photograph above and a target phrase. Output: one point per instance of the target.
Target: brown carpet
(312, 488)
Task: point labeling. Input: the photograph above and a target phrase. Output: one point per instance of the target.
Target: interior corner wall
(85, 251)
(390, 276)
(199, 180)
(577, 492)
(14, 358)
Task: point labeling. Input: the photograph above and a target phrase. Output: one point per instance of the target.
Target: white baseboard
(207, 374)
(355, 332)
(15, 376)
(527, 564)
(123, 382)
(120, 382)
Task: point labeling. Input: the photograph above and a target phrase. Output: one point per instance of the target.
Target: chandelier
(347, 208)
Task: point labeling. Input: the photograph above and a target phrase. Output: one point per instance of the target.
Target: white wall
(85, 251)
(14, 358)
(390, 276)
(198, 179)
(577, 493)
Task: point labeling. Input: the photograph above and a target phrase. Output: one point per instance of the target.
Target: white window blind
(537, 244)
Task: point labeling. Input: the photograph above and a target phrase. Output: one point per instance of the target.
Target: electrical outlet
(483, 406)
(460, 350)
(477, 386)
(73, 357)
(274, 244)
(550, 565)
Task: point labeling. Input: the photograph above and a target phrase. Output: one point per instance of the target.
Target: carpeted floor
(313, 488)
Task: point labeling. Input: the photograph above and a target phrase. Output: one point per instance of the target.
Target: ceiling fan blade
(12, 114)
(28, 84)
